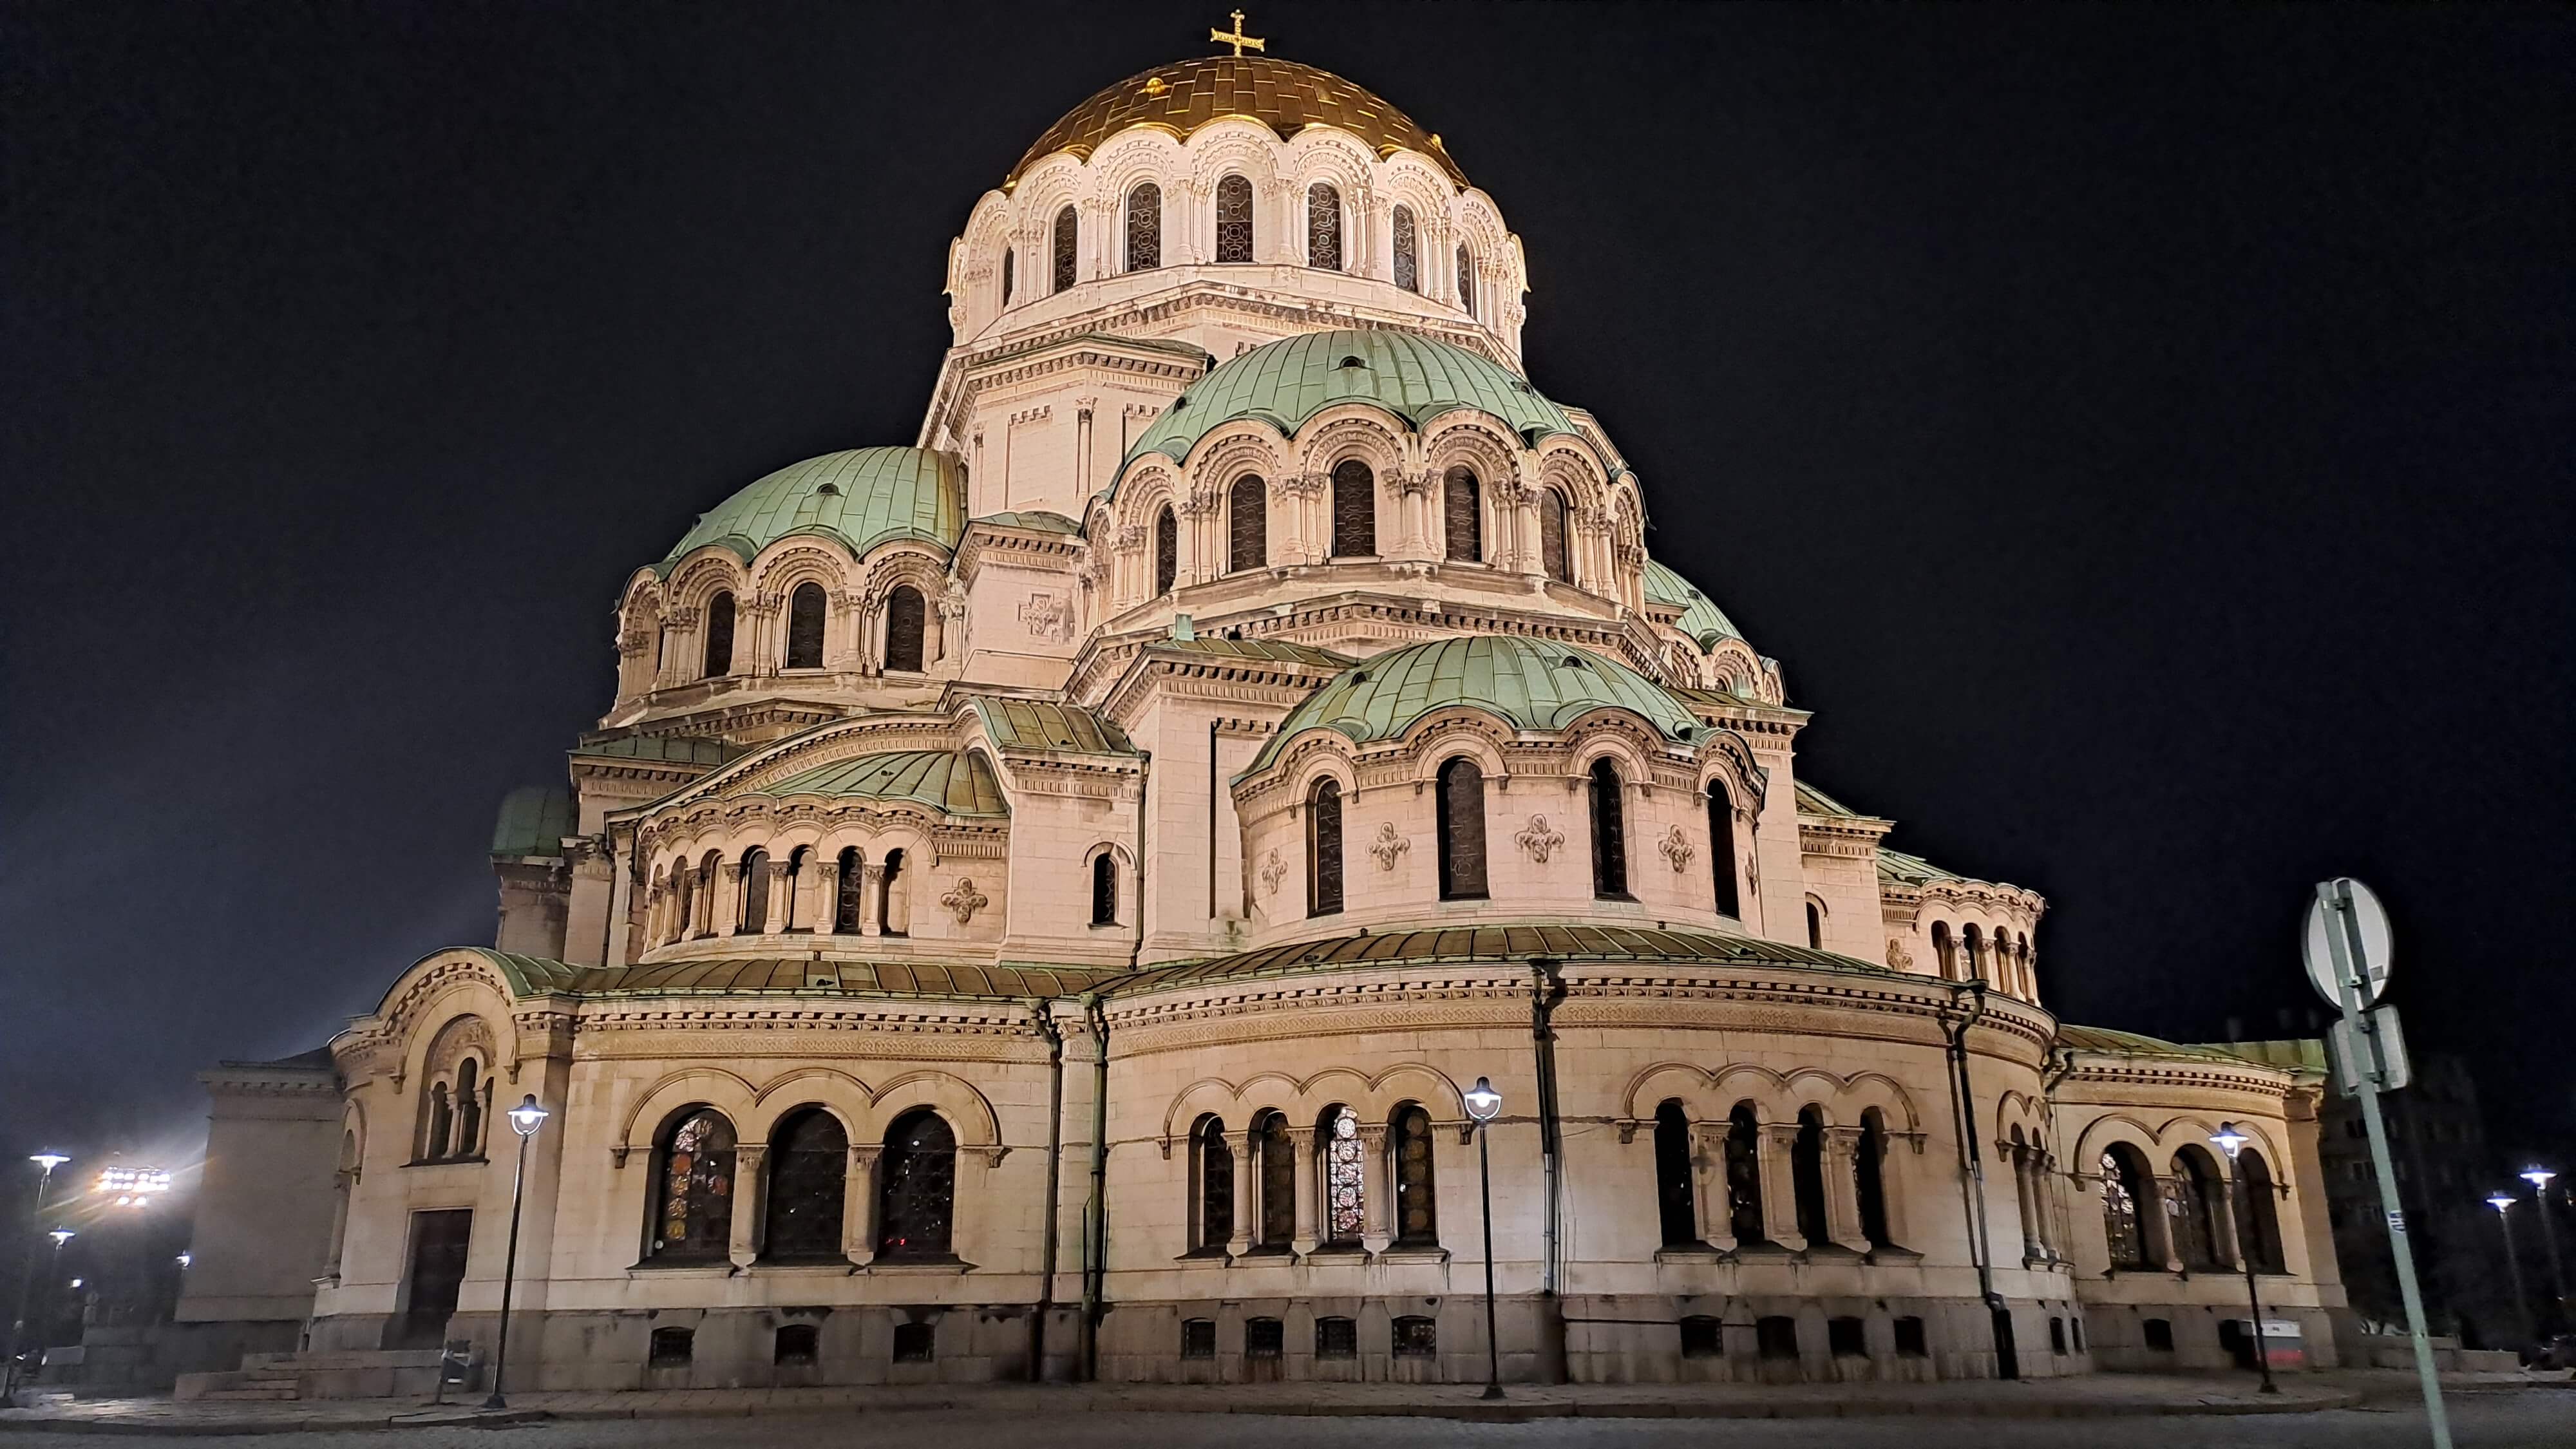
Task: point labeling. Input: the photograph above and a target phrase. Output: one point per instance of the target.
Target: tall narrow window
(1744, 1175)
(1972, 954)
(1167, 550)
(693, 1189)
(1248, 516)
(719, 637)
(907, 618)
(469, 1110)
(1945, 951)
(1278, 1182)
(1554, 552)
(1345, 1201)
(2262, 1210)
(2191, 1207)
(1144, 227)
(917, 1187)
(436, 1138)
(1721, 847)
(805, 608)
(1216, 1185)
(1676, 1200)
(1467, 280)
(1104, 889)
(1067, 236)
(2124, 1193)
(809, 1171)
(708, 865)
(683, 901)
(1408, 255)
(1008, 258)
(894, 915)
(1869, 1184)
(1324, 848)
(1233, 220)
(1815, 925)
(792, 881)
(1417, 1209)
(1323, 228)
(1462, 831)
(847, 881)
(1807, 1177)
(755, 893)
(1462, 516)
(1609, 833)
(1354, 510)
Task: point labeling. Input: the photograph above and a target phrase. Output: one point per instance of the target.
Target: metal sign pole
(2343, 938)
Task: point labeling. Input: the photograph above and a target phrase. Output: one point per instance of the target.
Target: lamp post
(46, 1162)
(2503, 1203)
(2232, 1142)
(2539, 1178)
(525, 1119)
(1483, 1102)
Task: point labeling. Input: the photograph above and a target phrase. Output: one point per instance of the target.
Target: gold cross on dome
(1237, 39)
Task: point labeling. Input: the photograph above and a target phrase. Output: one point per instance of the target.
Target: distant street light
(132, 1186)
(2539, 1178)
(2503, 1203)
(46, 1162)
(185, 1259)
(525, 1119)
(2232, 1142)
(1484, 1104)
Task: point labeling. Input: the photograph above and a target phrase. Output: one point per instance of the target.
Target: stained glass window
(1144, 227)
(805, 627)
(1216, 1185)
(1324, 848)
(719, 635)
(907, 619)
(1609, 833)
(1323, 228)
(1721, 840)
(1466, 280)
(1408, 262)
(1463, 516)
(1167, 551)
(1462, 830)
(1104, 889)
(846, 883)
(809, 1165)
(1552, 546)
(693, 1218)
(2123, 1187)
(1354, 509)
(1247, 505)
(917, 1187)
(1278, 1183)
(1345, 1215)
(1234, 220)
(1744, 1175)
(1067, 234)
(2262, 1207)
(2191, 1204)
(1417, 1208)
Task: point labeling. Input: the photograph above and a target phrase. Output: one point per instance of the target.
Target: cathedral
(1044, 895)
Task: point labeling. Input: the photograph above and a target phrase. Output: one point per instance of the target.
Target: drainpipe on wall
(1972, 1171)
(1095, 1224)
(1043, 1014)
(2061, 1061)
(1547, 989)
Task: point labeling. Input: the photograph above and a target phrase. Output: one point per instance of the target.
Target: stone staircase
(333, 1374)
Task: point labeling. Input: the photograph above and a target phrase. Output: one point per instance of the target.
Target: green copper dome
(1700, 618)
(1285, 383)
(859, 499)
(1530, 684)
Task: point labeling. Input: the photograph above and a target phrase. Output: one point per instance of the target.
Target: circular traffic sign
(2372, 969)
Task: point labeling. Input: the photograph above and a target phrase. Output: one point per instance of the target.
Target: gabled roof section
(1035, 522)
(1279, 650)
(534, 821)
(859, 499)
(1896, 865)
(1701, 618)
(671, 749)
(943, 780)
(1030, 724)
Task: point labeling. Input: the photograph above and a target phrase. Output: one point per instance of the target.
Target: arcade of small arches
(806, 607)
(808, 889)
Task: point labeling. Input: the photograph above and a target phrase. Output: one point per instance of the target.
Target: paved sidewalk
(2094, 1396)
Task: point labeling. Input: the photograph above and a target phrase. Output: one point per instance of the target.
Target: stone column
(827, 895)
(1083, 407)
(859, 1206)
(871, 875)
(1302, 1140)
(750, 1194)
(1779, 1185)
(728, 900)
(2222, 1226)
(1708, 1179)
(1842, 1190)
(2157, 1223)
(1245, 1179)
(782, 900)
(1377, 1205)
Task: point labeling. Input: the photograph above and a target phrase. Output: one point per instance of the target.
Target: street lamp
(2232, 1142)
(2539, 1178)
(46, 1162)
(2503, 1203)
(525, 1119)
(1483, 1103)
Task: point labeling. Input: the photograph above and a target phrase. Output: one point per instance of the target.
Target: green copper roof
(1287, 382)
(1701, 618)
(1911, 869)
(1033, 724)
(1036, 522)
(860, 498)
(941, 779)
(672, 749)
(1531, 685)
(2131, 1044)
(534, 821)
(1494, 943)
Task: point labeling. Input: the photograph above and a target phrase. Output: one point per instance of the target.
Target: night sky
(2142, 435)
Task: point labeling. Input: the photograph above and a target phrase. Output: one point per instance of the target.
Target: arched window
(1216, 1184)
(894, 909)
(1869, 1183)
(2262, 1231)
(693, 1188)
(2124, 1191)
(916, 1187)
(1466, 279)
(1408, 260)
(846, 900)
(1944, 950)
(1278, 1181)
(805, 627)
(719, 659)
(469, 1111)
(683, 901)
(906, 620)
(1462, 831)
(1345, 1200)
(791, 880)
(1067, 236)
(755, 892)
(1233, 220)
(1354, 510)
(1323, 228)
(809, 1170)
(1248, 514)
(1553, 550)
(1144, 227)
(1807, 1177)
(1609, 833)
(436, 1137)
(1324, 848)
(1676, 1200)
(1167, 550)
(708, 865)
(1972, 955)
(1721, 844)
(1815, 925)
(1417, 1207)
(1744, 1175)
(1104, 889)
(2191, 1207)
(1008, 258)
(1462, 516)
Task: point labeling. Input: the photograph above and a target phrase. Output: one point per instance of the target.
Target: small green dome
(859, 499)
(1700, 618)
(1285, 383)
(1530, 684)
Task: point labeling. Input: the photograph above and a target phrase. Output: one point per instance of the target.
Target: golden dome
(1281, 94)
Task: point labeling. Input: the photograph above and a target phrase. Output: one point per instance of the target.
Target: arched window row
(799, 629)
(1374, 1185)
(823, 1198)
(1717, 1181)
(804, 890)
(456, 1098)
(2190, 1217)
(1997, 954)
